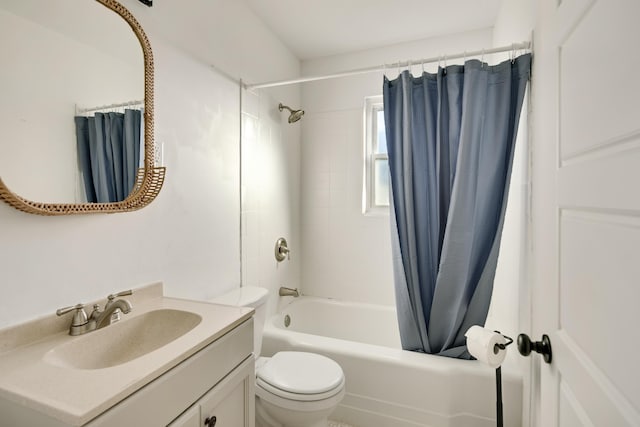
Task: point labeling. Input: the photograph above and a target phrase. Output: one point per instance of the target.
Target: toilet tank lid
(246, 296)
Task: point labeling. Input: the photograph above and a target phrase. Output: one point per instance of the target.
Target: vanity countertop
(75, 396)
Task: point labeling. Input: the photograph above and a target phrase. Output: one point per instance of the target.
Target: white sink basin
(123, 341)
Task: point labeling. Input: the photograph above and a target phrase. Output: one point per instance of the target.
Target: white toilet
(293, 389)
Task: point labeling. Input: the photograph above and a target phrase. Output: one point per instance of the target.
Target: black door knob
(525, 346)
(211, 421)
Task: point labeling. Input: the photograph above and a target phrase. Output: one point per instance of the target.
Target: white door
(586, 212)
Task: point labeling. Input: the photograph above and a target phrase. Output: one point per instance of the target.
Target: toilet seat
(299, 376)
(276, 392)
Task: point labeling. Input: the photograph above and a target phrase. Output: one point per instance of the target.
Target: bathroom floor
(338, 424)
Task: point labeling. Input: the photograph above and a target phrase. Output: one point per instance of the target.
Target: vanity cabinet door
(191, 418)
(231, 403)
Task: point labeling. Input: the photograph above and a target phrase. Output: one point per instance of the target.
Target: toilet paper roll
(481, 344)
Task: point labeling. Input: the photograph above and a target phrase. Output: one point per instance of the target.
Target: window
(376, 164)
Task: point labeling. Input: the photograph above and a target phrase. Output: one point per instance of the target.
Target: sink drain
(287, 320)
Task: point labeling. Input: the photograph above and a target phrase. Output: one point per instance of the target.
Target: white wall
(225, 34)
(189, 236)
(346, 255)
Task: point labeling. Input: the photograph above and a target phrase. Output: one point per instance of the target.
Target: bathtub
(387, 386)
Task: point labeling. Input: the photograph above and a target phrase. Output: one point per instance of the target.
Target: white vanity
(170, 362)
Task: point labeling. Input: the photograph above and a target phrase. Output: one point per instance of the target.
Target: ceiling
(312, 29)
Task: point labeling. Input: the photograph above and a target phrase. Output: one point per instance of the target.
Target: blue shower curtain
(109, 154)
(450, 138)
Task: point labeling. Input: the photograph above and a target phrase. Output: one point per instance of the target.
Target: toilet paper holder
(480, 334)
(499, 406)
(498, 347)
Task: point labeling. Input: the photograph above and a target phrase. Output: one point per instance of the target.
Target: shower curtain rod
(110, 106)
(513, 47)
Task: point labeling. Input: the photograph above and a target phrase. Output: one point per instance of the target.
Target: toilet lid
(301, 373)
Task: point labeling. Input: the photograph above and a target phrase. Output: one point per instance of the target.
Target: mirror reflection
(62, 62)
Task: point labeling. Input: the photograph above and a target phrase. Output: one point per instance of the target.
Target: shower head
(295, 114)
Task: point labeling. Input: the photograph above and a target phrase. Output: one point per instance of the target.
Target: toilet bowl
(293, 389)
(297, 389)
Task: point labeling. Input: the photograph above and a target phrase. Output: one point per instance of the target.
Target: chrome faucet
(109, 314)
(288, 292)
(81, 324)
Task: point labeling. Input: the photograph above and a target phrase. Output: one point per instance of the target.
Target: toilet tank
(253, 297)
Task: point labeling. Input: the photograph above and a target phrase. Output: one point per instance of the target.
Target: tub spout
(288, 292)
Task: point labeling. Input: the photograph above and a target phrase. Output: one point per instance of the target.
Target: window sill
(377, 211)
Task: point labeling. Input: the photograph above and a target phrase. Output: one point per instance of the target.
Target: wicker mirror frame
(149, 179)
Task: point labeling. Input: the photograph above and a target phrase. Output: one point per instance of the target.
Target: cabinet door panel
(231, 402)
(191, 418)
(229, 411)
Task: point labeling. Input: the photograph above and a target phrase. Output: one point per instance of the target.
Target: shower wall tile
(251, 103)
(339, 154)
(338, 195)
(270, 182)
(339, 261)
(317, 189)
(251, 233)
(316, 143)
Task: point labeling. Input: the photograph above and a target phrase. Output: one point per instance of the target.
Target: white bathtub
(387, 386)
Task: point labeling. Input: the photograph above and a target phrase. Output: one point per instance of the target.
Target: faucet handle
(120, 294)
(95, 312)
(282, 250)
(80, 316)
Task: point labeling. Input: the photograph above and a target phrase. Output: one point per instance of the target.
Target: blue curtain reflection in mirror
(109, 154)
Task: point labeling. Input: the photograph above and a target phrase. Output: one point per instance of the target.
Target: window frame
(372, 105)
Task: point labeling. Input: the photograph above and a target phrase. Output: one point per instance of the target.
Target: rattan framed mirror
(149, 178)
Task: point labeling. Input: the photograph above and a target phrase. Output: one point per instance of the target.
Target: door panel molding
(598, 295)
(568, 16)
(597, 78)
(571, 412)
(618, 144)
(603, 183)
(603, 403)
